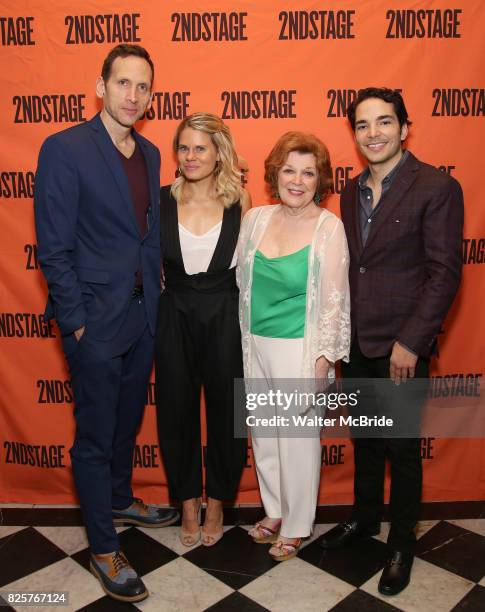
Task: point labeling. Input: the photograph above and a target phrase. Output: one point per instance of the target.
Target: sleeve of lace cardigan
(241, 244)
(333, 322)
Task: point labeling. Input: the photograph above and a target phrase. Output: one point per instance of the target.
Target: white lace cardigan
(327, 319)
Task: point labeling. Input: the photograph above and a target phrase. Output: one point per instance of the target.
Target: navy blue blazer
(89, 242)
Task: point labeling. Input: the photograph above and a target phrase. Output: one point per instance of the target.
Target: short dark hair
(392, 96)
(301, 143)
(124, 50)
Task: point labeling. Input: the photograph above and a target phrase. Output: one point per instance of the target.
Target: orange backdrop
(266, 68)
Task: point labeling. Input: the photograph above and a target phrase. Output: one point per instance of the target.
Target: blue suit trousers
(110, 386)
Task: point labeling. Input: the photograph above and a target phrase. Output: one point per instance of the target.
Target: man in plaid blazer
(404, 222)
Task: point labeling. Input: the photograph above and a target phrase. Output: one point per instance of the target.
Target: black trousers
(404, 453)
(198, 343)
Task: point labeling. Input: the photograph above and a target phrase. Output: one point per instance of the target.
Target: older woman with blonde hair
(198, 340)
(294, 313)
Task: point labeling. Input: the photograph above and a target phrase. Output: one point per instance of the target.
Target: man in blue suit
(97, 220)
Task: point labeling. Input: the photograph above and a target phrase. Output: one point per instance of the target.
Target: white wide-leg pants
(288, 468)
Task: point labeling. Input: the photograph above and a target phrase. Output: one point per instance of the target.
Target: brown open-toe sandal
(286, 550)
(262, 534)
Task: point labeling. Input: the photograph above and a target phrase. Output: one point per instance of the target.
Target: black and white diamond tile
(236, 602)
(236, 561)
(474, 525)
(25, 552)
(237, 575)
(297, 586)
(432, 588)
(455, 549)
(181, 585)
(474, 600)
(421, 529)
(367, 557)
(362, 602)
(106, 604)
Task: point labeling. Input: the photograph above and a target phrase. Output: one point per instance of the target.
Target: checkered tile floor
(238, 575)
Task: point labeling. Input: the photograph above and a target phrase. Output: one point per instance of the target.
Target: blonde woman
(198, 340)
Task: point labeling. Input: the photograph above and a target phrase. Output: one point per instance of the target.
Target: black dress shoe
(396, 573)
(118, 579)
(345, 533)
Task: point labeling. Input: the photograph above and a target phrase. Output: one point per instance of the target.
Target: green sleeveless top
(278, 295)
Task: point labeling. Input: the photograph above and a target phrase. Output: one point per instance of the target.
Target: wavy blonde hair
(227, 174)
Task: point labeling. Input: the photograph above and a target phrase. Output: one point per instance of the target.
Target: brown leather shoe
(145, 516)
(117, 578)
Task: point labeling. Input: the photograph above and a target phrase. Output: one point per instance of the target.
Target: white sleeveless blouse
(197, 251)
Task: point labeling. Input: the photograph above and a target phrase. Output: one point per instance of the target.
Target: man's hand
(403, 364)
(78, 334)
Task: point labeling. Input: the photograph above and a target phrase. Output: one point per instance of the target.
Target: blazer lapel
(153, 181)
(393, 198)
(352, 204)
(111, 156)
(356, 219)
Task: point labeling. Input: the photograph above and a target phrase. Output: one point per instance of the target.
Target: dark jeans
(404, 453)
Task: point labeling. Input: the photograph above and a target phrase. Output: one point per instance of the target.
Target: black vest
(218, 276)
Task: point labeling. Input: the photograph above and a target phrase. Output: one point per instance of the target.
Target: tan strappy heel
(188, 538)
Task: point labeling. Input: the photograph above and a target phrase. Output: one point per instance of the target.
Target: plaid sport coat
(403, 281)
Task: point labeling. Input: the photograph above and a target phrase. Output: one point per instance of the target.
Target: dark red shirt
(136, 172)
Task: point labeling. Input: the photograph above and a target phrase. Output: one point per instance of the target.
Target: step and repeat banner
(265, 68)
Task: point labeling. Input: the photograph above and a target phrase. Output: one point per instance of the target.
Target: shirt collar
(388, 178)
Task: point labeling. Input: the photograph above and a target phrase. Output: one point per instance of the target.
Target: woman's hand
(321, 372)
